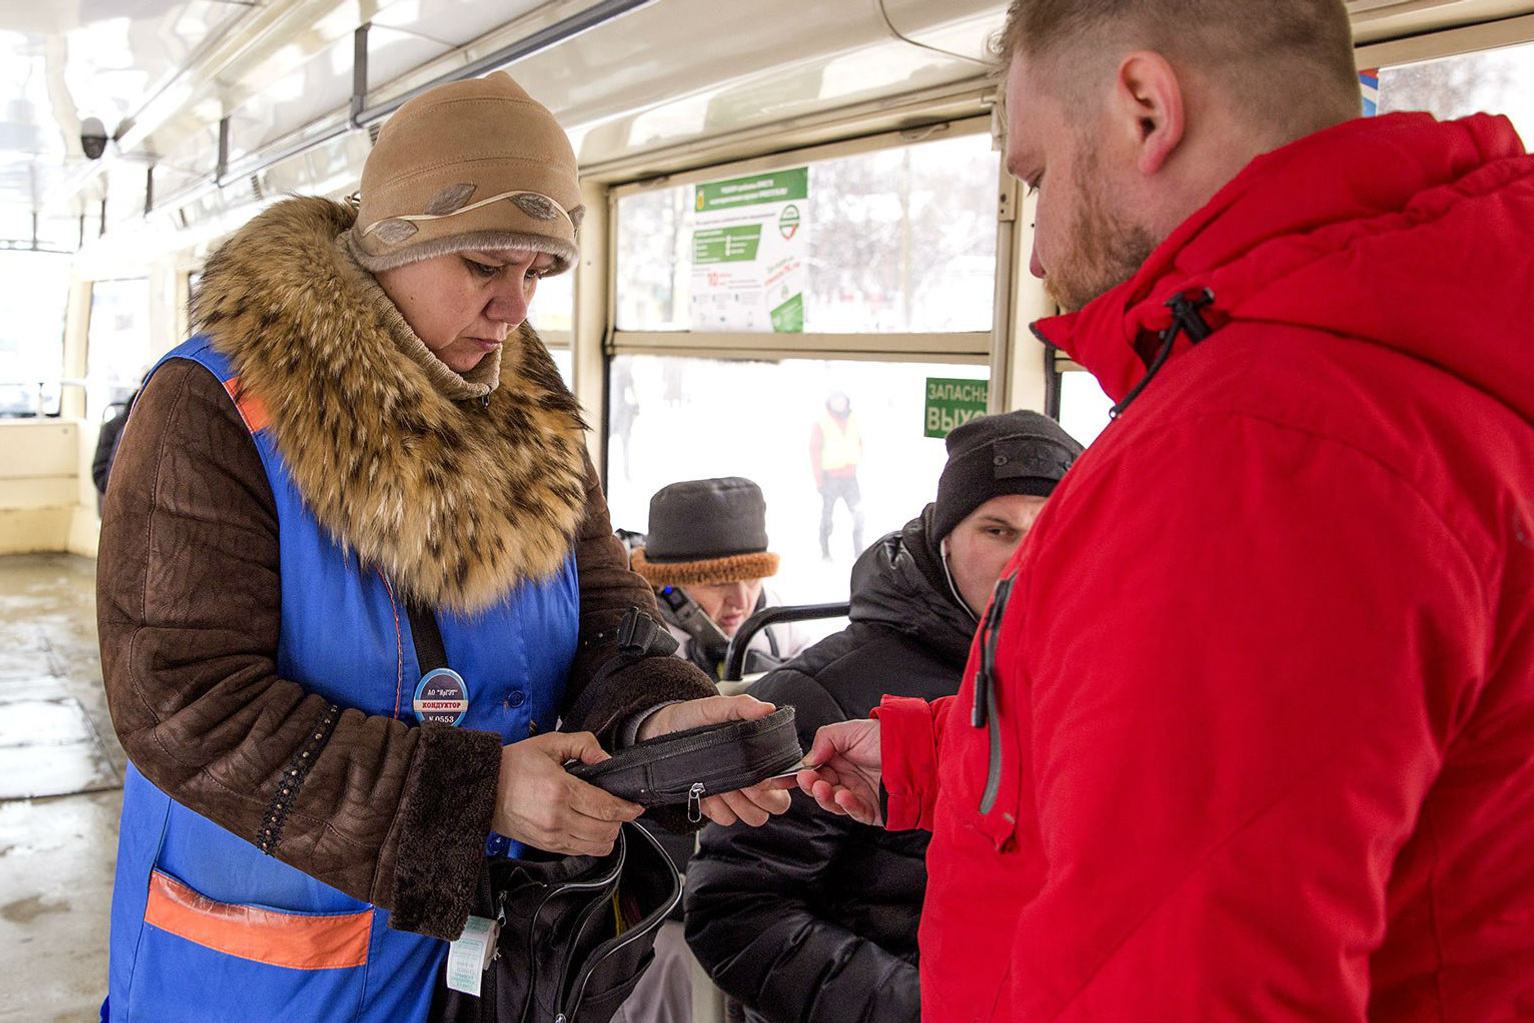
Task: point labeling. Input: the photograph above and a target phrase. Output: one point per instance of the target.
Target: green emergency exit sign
(951, 402)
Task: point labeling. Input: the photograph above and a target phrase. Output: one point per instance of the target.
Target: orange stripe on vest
(249, 406)
(293, 940)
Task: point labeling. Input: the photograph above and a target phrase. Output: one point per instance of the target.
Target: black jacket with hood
(813, 917)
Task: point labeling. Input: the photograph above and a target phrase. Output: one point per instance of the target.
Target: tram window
(117, 342)
(675, 418)
(552, 314)
(895, 240)
(553, 307)
(1499, 81)
(32, 305)
(1083, 406)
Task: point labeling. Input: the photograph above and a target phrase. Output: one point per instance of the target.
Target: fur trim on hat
(455, 502)
(701, 573)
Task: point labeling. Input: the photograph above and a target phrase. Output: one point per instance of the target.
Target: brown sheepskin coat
(454, 496)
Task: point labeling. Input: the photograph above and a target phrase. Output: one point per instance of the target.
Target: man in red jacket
(1248, 731)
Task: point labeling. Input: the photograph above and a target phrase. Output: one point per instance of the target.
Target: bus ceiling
(178, 116)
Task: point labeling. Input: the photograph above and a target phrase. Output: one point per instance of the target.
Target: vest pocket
(297, 941)
(202, 959)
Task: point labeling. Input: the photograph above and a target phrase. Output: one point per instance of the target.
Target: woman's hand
(753, 805)
(539, 803)
(845, 779)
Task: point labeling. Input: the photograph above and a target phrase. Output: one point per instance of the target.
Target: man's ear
(1148, 102)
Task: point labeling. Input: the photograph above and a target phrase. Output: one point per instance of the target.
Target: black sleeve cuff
(448, 805)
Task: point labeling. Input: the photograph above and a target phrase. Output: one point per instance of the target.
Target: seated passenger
(706, 555)
(813, 917)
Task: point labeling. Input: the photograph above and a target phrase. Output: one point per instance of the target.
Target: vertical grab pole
(359, 72)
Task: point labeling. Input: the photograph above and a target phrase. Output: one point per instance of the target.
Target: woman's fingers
(539, 803)
(753, 806)
(705, 710)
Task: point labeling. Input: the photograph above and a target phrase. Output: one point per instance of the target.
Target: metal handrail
(735, 657)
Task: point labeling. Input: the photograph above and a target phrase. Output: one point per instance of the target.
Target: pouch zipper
(564, 886)
(658, 917)
(712, 780)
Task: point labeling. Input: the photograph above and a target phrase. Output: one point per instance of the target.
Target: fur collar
(455, 502)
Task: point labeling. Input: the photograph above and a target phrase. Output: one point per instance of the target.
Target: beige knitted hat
(476, 164)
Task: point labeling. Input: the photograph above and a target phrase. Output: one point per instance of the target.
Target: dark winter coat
(189, 608)
(813, 917)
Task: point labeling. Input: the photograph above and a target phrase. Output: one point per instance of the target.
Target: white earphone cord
(943, 551)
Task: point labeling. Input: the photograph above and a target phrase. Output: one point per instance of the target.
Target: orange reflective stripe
(264, 935)
(248, 405)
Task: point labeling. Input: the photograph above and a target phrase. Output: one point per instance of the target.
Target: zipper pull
(989, 632)
(500, 922)
(695, 803)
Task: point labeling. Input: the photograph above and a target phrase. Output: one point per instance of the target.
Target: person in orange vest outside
(836, 448)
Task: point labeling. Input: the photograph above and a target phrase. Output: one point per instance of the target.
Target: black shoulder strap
(430, 654)
(637, 636)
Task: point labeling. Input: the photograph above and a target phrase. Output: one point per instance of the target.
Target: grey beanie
(1012, 453)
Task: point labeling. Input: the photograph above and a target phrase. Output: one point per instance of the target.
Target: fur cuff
(714, 570)
(448, 805)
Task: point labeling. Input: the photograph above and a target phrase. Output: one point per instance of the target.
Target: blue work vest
(205, 928)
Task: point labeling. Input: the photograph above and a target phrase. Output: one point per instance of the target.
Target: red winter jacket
(1263, 738)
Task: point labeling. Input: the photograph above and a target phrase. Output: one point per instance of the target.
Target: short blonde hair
(1287, 63)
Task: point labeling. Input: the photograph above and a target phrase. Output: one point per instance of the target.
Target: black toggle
(1185, 313)
(1186, 319)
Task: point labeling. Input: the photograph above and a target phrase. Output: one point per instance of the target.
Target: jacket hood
(1386, 229)
(899, 582)
(455, 501)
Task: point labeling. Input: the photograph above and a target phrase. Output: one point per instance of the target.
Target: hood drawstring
(484, 401)
(1185, 320)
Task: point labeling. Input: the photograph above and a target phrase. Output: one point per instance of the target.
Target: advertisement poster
(750, 249)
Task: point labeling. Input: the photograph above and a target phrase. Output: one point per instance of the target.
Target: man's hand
(753, 805)
(539, 803)
(845, 779)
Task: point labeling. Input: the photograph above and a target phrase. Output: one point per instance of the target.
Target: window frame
(1450, 42)
(954, 346)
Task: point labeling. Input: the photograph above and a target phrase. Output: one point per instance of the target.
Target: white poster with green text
(750, 250)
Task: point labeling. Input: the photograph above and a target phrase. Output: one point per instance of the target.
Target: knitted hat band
(533, 203)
